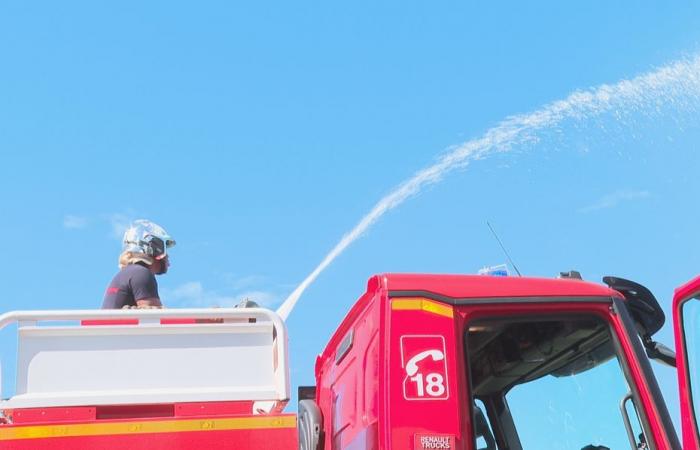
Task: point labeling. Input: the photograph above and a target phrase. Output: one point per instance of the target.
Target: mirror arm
(659, 352)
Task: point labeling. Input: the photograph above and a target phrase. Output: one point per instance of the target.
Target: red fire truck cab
(480, 362)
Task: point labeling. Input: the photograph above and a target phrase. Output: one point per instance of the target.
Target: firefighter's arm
(146, 303)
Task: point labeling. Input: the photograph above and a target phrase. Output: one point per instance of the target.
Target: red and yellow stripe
(421, 304)
(9, 433)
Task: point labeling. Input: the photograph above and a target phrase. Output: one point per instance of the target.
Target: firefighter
(144, 255)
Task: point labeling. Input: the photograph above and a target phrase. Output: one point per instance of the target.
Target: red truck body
(370, 399)
(419, 362)
(683, 295)
(149, 380)
(180, 426)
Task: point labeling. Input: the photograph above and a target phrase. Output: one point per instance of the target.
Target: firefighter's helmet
(144, 236)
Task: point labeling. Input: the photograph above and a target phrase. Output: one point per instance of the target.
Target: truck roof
(481, 286)
(455, 288)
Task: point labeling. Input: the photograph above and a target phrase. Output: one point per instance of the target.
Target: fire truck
(419, 362)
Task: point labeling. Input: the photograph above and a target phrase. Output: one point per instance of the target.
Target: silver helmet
(144, 236)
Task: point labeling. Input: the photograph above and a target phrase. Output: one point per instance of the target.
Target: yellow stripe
(421, 304)
(164, 426)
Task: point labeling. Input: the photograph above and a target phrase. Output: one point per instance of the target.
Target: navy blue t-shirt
(133, 282)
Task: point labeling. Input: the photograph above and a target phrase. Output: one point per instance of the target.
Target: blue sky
(257, 135)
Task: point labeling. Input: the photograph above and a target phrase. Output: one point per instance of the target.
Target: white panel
(150, 363)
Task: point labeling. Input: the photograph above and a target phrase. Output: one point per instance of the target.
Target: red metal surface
(409, 411)
(465, 286)
(688, 420)
(53, 415)
(109, 322)
(114, 412)
(479, 286)
(279, 434)
(348, 391)
(133, 322)
(273, 439)
(370, 395)
(213, 409)
(363, 396)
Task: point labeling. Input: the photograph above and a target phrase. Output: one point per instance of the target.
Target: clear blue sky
(258, 135)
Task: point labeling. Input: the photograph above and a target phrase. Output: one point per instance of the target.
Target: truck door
(686, 318)
(551, 381)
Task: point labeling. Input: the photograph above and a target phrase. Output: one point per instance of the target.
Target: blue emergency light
(500, 270)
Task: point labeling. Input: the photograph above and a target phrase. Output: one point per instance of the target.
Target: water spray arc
(676, 83)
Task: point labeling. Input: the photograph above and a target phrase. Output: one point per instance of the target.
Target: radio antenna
(510, 260)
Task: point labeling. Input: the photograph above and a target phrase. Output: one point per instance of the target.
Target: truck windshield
(691, 333)
(552, 383)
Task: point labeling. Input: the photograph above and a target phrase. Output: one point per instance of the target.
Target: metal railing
(224, 318)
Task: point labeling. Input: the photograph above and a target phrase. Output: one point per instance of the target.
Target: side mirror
(641, 304)
(647, 315)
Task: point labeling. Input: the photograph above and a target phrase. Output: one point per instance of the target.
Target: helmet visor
(159, 246)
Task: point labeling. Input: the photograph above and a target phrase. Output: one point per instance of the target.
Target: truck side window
(551, 384)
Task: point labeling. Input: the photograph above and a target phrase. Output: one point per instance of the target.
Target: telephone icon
(412, 364)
